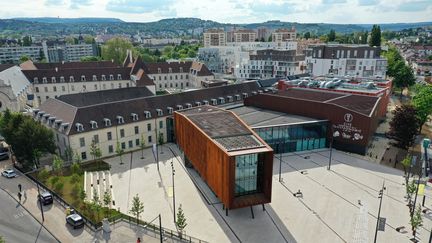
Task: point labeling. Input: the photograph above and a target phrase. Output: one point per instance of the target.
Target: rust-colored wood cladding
(217, 167)
(318, 110)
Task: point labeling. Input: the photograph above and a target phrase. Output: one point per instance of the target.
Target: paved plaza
(338, 205)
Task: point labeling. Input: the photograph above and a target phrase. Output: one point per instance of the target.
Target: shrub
(75, 168)
(54, 180)
(74, 178)
(43, 175)
(58, 187)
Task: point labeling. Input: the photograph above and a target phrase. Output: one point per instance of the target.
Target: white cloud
(232, 11)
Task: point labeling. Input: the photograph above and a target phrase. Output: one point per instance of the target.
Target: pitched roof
(14, 77)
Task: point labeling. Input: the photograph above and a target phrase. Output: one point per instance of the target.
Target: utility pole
(381, 195)
(174, 205)
(160, 229)
(280, 162)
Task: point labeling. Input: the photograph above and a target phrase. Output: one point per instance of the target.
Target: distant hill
(50, 20)
(173, 27)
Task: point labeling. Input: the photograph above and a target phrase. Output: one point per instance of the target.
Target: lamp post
(426, 143)
(173, 173)
(381, 192)
(333, 135)
(280, 161)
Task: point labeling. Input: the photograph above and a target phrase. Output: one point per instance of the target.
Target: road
(17, 225)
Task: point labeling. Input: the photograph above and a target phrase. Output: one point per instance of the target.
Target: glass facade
(248, 174)
(292, 138)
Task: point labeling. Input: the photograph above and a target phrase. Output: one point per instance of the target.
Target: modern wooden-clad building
(230, 157)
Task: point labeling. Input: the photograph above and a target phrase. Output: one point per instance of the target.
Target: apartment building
(245, 36)
(12, 54)
(126, 116)
(341, 60)
(269, 64)
(214, 37)
(283, 35)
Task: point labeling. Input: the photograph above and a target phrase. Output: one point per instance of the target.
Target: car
(4, 155)
(9, 173)
(45, 198)
(75, 220)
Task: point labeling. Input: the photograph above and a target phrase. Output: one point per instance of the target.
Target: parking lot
(338, 205)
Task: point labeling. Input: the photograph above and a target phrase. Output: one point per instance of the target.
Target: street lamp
(333, 135)
(426, 143)
(173, 173)
(381, 192)
(280, 161)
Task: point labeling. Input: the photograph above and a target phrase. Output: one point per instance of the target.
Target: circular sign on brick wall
(348, 117)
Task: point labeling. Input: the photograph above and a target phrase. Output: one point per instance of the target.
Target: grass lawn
(69, 186)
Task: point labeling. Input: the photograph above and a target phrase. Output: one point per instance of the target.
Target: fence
(173, 235)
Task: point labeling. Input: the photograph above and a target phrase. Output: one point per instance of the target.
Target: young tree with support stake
(119, 151)
(137, 207)
(95, 151)
(142, 146)
(107, 201)
(57, 164)
(181, 221)
(416, 220)
(160, 140)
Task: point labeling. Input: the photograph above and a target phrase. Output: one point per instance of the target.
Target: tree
(181, 220)
(119, 151)
(95, 151)
(57, 164)
(27, 41)
(416, 220)
(75, 168)
(107, 200)
(307, 35)
(364, 39)
(160, 140)
(90, 59)
(96, 203)
(411, 188)
(68, 154)
(422, 101)
(77, 158)
(26, 135)
(43, 175)
(262, 39)
(404, 77)
(82, 194)
(375, 39)
(142, 145)
(406, 163)
(270, 39)
(115, 49)
(137, 207)
(404, 125)
(24, 58)
(331, 35)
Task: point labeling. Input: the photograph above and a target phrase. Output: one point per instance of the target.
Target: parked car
(4, 155)
(46, 198)
(9, 173)
(75, 220)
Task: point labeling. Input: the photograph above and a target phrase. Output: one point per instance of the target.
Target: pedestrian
(19, 196)
(25, 196)
(19, 187)
(139, 240)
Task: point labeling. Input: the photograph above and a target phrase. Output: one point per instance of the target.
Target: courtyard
(338, 205)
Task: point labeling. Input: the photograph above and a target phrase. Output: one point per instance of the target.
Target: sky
(228, 11)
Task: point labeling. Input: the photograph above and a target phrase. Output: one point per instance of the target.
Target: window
(136, 128)
(170, 70)
(187, 77)
(110, 149)
(71, 79)
(137, 142)
(149, 139)
(94, 78)
(122, 133)
(149, 127)
(181, 70)
(96, 138)
(134, 116)
(36, 80)
(103, 86)
(214, 101)
(103, 77)
(84, 87)
(37, 89)
(221, 100)
(120, 120)
(147, 114)
(170, 110)
(112, 86)
(53, 79)
(82, 142)
(93, 124)
(245, 95)
(179, 107)
(198, 103)
(187, 84)
(46, 89)
(159, 70)
(181, 76)
(95, 86)
(230, 98)
(109, 136)
(79, 127)
(248, 174)
(111, 77)
(72, 88)
(159, 112)
(83, 156)
(188, 105)
(130, 143)
(44, 80)
(107, 122)
(83, 78)
(119, 85)
(63, 88)
(123, 145)
(160, 124)
(119, 77)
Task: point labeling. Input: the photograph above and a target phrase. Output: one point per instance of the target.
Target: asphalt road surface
(16, 225)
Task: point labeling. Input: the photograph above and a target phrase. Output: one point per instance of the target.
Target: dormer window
(51, 121)
(107, 122)
(53, 79)
(170, 70)
(119, 77)
(147, 114)
(44, 80)
(71, 79)
(245, 95)
(237, 97)
(62, 79)
(134, 116)
(254, 93)
(260, 91)
(120, 120)
(93, 124)
(64, 126)
(103, 77)
(205, 102)
(214, 101)
(58, 123)
(181, 69)
(79, 127)
(230, 98)
(94, 78)
(159, 112)
(198, 103)
(222, 100)
(170, 110)
(83, 78)
(179, 107)
(111, 77)
(188, 105)
(159, 70)
(36, 80)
